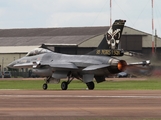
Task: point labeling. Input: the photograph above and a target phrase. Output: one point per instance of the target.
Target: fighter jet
(56, 66)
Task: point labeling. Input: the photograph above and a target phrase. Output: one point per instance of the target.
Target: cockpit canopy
(37, 51)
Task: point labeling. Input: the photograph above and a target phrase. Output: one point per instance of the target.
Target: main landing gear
(90, 85)
(64, 84)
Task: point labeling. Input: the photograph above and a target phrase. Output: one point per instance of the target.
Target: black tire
(45, 86)
(90, 85)
(64, 85)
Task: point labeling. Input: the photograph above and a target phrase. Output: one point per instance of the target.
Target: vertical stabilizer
(112, 37)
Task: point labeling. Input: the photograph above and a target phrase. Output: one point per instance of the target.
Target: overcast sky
(78, 13)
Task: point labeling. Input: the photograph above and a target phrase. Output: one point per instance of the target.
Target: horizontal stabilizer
(95, 67)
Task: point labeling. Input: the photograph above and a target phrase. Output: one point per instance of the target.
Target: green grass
(150, 84)
(130, 85)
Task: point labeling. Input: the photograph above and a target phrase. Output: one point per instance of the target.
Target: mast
(152, 29)
(110, 12)
(155, 41)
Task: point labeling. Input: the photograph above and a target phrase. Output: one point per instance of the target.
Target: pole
(110, 12)
(152, 30)
(2, 65)
(155, 41)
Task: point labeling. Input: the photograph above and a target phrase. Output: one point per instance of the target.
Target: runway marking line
(75, 108)
(75, 96)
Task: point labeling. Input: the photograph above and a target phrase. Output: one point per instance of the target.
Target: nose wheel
(45, 86)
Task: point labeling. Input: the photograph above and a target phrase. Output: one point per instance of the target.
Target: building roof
(38, 40)
(30, 37)
(67, 31)
(69, 36)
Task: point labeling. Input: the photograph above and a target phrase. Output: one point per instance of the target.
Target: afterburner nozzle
(121, 65)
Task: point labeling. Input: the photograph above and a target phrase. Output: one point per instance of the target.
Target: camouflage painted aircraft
(98, 64)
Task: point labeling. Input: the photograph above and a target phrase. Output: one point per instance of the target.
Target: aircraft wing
(95, 67)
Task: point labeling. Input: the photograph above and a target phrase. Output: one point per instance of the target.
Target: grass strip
(150, 84)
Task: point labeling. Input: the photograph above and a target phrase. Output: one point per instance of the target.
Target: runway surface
(80, 105)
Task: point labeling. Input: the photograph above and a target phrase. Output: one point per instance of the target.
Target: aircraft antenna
(152, 29)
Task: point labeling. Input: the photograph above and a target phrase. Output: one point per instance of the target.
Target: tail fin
(112, 37)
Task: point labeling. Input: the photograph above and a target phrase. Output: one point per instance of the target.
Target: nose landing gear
(45, 86)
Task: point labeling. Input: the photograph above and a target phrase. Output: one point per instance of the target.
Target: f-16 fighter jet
(55, 66)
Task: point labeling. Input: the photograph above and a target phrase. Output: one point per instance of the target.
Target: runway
(80, 105)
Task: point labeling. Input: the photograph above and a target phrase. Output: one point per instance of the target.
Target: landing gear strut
(45, 85)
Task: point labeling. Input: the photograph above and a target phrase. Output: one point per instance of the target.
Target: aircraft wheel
(45, 86)
(64, 85)
(90, 85)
